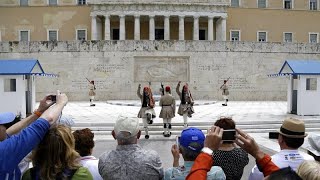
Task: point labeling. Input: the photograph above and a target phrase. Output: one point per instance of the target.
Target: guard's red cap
(167, 88)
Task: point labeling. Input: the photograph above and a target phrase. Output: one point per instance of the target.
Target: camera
(53, 98)
(229, 135)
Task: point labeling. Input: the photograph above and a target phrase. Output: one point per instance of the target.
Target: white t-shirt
(282, 159)
(91, 163)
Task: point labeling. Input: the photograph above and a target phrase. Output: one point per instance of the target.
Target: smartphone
(53, 98)
(229, 135)
(177, 140)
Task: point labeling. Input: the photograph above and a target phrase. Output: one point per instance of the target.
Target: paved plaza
(255, 117)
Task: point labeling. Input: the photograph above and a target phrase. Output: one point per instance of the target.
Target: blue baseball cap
(192, 138)
(7, 117)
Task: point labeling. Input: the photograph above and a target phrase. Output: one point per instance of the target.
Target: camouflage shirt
(130, 162)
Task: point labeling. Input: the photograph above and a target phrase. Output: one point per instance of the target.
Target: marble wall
(119, 66)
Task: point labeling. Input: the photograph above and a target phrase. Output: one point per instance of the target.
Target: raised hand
(213, 138)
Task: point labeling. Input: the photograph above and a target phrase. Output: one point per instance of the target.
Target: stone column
(221, 29)
(137, 27)
(181, 27)
(151, 28)
(195, 27)
(94, 27)
(122, 27)
(166, 27)
(107, 27)
(210, 28)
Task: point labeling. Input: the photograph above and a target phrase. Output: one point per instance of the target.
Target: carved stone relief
(161, 69)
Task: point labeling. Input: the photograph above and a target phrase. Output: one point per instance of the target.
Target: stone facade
(119, 66)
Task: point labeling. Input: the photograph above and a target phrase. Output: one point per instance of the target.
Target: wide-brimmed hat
(293, 128)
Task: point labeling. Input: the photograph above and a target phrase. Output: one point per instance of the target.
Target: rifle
(223, 83)
(162, 88)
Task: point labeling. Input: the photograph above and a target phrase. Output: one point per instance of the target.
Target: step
(178, 132)
(200, 123)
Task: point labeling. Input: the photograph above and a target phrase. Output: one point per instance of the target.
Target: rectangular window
(81, 34)
(262, 36)
(115, 34)
(262, 3)
(52, 35)
(235, 3)
(53, 2)
(311, 84)
(235, 36)
(82, 2)
(202, 34)
(287, 4)
(287, 37)
(10, 85)
(24, 3)
(313, 37)
(159, 34)
(313, 4)
(24, 36)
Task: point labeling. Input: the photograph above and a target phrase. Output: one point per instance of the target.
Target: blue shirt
(181, 172)
(15, 148)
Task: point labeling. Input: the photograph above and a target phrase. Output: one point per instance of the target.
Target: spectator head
(56, 152)
(292, 134)
(126, 130)
(284, 174)
(167, 88)
(84, 141)
(7, 119)
(191, 142)
(226, 123)
(309, 170)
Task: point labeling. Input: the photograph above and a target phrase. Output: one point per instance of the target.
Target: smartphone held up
(229, 135)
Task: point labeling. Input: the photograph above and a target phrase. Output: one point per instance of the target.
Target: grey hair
(188, 155)
(125, 138)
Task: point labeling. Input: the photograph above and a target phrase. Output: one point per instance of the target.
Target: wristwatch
(207, 151)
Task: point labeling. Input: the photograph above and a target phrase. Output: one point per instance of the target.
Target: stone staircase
(103, 130)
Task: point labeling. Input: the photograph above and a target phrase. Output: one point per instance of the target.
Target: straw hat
(293, 128)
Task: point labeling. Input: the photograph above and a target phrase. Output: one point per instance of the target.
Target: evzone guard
(92, 92)
(168, 109)
(225, 92)
(186, 106)
(146, 112)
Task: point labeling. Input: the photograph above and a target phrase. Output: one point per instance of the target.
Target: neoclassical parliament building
(123, 43)
(294, 21)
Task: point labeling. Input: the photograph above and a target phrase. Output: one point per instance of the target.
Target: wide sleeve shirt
(15, 148)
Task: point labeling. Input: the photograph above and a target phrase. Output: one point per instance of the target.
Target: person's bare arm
(250, 146)
(138, 91)
(176, 155)
(17, 127)
(52, 114)
(177, 89)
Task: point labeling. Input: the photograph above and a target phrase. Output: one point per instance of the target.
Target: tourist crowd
(58, 153)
